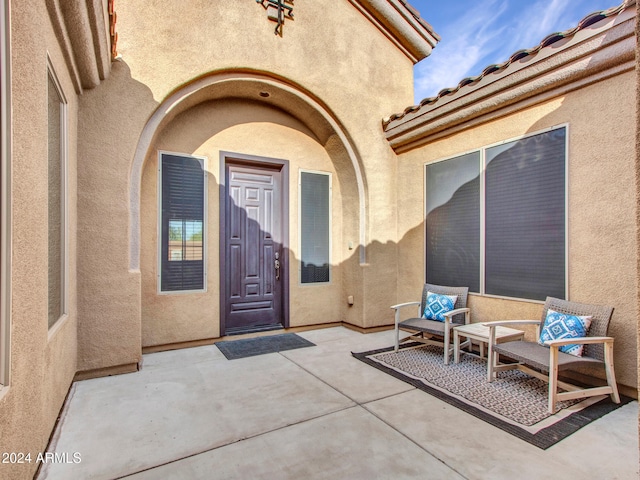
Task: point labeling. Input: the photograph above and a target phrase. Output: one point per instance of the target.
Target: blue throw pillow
(558, 326)
(438, 305)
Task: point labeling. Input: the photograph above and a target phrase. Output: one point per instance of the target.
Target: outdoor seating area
(550, 359)
(575, 328)
(193, 413)
(435, 331)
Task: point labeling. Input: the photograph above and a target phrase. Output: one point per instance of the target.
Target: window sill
(511, 299)
(180, 292)
(4, 390)
(53, 331)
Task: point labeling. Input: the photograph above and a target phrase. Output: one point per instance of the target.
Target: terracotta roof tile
(422, 21)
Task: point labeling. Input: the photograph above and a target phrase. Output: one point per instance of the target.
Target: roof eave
(82, 29)
(402, 24)
(591, 52)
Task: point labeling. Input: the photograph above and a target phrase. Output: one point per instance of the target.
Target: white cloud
(528, 34)
(490, 33)
(463, 44)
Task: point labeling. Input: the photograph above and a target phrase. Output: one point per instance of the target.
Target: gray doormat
(515, 402)
(250, 347)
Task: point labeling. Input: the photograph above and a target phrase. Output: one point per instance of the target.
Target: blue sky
(478, 33)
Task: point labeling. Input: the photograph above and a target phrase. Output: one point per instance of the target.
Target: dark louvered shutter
(182, 264)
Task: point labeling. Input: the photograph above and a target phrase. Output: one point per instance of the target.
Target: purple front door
(253, 247)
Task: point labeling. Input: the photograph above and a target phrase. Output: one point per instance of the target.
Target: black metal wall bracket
(278, 11)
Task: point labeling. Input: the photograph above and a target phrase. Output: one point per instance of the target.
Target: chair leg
(611, 376)
(397, 339)
(553, 379)
(447, 350)
(397, 321)
(492, 359)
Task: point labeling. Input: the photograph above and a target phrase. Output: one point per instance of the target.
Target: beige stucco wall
(42, 360)
(335, 55)
(333, 52)
(245, 128)
(602, 249)
(637, 179)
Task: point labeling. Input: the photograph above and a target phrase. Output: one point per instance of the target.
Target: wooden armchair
(434, 332)
(545, 362)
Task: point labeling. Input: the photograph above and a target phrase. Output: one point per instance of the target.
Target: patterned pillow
(560, 326)
(438, 305)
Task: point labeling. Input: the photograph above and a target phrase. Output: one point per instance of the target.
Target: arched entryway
(251, 114)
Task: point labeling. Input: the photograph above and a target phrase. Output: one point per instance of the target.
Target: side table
(480, 333)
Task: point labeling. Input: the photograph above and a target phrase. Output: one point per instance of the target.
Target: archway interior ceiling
(282, 96)
(251, 91)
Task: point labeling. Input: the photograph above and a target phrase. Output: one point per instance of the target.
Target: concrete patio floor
(311, 413)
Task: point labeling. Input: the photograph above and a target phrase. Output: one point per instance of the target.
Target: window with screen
(453, 221)
(315, 226)
(525, 217)
(513, 242)
(57, 199)
(182, 203)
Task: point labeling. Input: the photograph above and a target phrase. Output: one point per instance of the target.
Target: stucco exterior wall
(239, 127)
(109, 294)
(602, 250)
(42, 360)
(637, 175)
(332, 50)
(334, 53)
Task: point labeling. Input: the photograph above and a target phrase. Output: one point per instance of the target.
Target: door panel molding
(273, 164)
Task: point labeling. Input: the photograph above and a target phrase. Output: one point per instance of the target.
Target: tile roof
(402, 24)
(549, 40)
(422, 21)
(113, 35)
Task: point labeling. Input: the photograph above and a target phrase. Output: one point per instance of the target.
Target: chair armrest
(554, 350)
(578, 340)
(400, 305)
(457, 311)
(506, 323)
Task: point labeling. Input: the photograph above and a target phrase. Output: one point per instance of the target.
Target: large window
(182, 181)
(57, 198)
(315, 226)
(453, 221)
(496, 218)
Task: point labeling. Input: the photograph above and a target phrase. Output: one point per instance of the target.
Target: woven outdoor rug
(515, 402)
(249, 347)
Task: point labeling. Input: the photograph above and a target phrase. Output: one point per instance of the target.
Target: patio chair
(434, 332)
(546, 361)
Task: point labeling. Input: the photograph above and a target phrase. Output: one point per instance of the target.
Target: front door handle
(277, 266)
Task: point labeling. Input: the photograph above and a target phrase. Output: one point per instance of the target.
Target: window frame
(482, 172)
(204, 161)
(5, 195)
(64, 196)
(330, 175)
